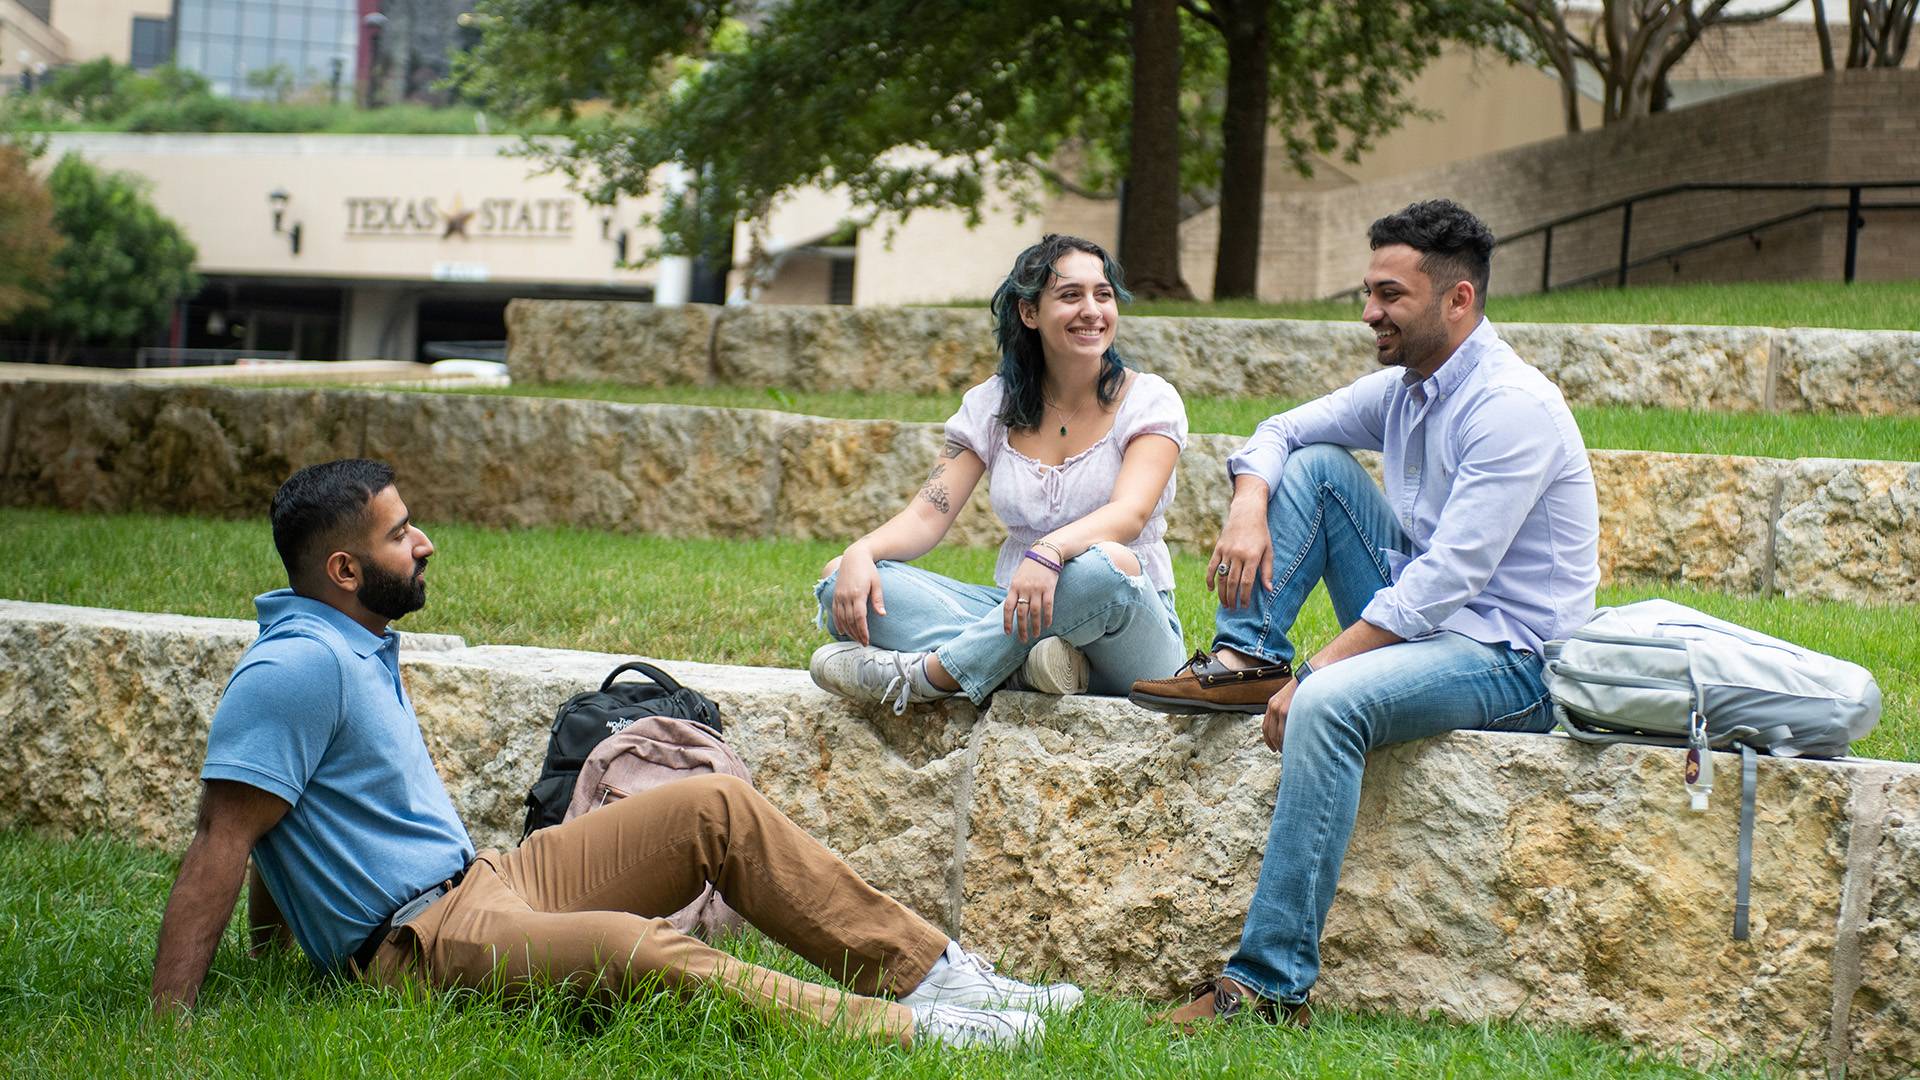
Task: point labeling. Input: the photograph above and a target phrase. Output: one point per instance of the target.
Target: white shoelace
(902, 681)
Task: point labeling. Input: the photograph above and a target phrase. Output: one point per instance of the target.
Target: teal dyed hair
(1023, 363)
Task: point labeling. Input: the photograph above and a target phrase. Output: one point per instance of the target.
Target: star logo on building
(456, 220)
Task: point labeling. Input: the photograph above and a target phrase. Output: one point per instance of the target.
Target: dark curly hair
(1454, 245)
(320, 504)
(1022, 362)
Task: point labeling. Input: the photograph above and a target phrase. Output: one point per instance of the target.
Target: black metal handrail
(1625, 205)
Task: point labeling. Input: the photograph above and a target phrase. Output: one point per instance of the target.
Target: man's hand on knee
(1244, 553)
(1273, 728)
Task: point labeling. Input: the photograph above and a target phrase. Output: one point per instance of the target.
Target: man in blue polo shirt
(316, 767)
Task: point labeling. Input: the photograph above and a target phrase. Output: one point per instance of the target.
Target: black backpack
(591, 716)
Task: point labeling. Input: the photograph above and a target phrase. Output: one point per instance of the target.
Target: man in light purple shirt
(1482, 546)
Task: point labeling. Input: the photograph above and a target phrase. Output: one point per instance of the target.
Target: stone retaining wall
(1813, 528)
(941, 350)
(1491, 876)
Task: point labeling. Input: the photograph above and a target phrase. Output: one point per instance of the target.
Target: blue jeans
(1330, 522)
(1127, 630)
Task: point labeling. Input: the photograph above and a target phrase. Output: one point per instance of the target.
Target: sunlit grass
(1778, 435)
(77, 926)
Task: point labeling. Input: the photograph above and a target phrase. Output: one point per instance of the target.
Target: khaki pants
(583, 904)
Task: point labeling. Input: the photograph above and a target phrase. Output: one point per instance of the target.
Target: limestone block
(1695, 518)
(612, 341)
(1885, 1009)
(1870, 372)
(843, 478)
(1114, 845)
(881, 350)
(663, 469)
(1534, 877)
(193, 449)
(1846, 531)
(1668, 367)
(1288, 359)
(103, 717)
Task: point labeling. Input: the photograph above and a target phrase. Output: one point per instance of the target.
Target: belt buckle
(411, 910)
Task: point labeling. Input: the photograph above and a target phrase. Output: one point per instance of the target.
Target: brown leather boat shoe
(1223, 999)
(1204, 684)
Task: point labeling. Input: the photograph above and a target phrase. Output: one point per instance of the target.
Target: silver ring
(1224, 570)
(1020, 601)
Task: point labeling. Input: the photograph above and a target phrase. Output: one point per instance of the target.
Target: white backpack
(1660, 672)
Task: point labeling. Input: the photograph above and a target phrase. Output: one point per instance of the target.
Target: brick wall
(1851, 125)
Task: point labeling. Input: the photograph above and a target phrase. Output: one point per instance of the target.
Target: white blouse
(1032, 498)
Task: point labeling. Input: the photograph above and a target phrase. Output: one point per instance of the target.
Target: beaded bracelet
(1043, 560)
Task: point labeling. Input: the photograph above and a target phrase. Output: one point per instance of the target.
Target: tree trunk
(1826, 35)
(1243, 158)
(1150, 218)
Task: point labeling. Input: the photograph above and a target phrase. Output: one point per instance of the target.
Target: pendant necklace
(1065, 417)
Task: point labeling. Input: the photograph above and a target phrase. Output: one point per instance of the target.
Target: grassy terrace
(1877, 305)
(77, 924)
(1779, 435)
(579, 589)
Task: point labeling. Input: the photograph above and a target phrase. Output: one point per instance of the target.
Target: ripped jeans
(1127, 630)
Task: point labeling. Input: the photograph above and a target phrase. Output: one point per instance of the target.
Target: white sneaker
(869, 673)
(964, 978)
(961, 1027)
(1054, 667)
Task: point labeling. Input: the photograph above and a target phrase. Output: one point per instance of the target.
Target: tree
(1150, 217)
(124, 265)
(910, 104)
(905, 104)
(1878, 32)
(1333, 76)
(28, 240)
(1631, 44)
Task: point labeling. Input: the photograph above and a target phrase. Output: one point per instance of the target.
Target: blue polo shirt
(315, 714)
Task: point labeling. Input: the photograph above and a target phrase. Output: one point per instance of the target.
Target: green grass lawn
(1778, 435)
(580, 589)
(77, 926)
(1864, 305)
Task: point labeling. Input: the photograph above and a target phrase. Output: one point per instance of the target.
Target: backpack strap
(1749, 771)
(669, 682)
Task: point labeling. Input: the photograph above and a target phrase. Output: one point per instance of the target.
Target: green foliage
(581, 589)
(29, 242)
(103, 96)
(124, 264)
(907, 103)
(911, 104)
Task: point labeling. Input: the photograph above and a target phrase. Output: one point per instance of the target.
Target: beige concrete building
(36, 35)
(359, 247)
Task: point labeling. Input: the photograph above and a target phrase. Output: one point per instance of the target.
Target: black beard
(1427, 341)
(391, 596)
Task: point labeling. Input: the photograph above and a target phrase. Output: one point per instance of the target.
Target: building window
(150, 45)
(840, 281)
(286, 45)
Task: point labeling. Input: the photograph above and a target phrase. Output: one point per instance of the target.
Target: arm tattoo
(935, 489)
(951, 450)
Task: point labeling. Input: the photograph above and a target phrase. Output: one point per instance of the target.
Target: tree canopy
(911, 104)
(28, 239)
(124, 264)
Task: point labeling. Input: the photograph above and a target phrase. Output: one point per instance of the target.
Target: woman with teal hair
(1080, 451)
